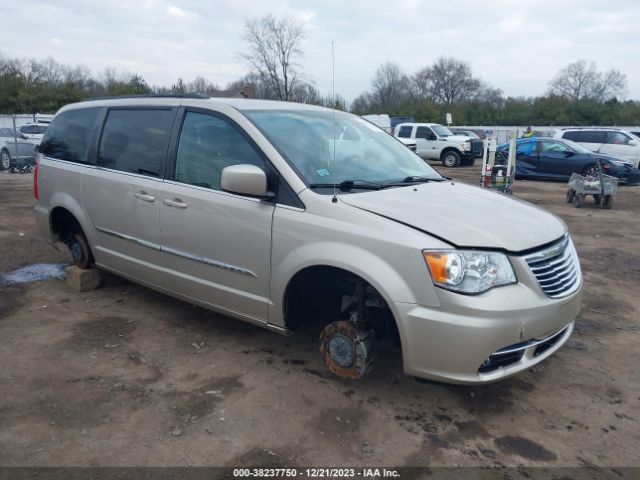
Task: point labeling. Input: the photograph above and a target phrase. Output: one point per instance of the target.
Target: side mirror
(569, 153)
(431, 136)
(244, 179)
(632, 143)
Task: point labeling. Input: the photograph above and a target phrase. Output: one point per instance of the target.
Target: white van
(610, 141)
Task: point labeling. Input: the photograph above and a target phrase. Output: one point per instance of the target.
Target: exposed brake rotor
(346, 351)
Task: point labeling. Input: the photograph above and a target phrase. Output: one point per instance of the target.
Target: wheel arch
(446, 150)
(351, 260)
(65, 206)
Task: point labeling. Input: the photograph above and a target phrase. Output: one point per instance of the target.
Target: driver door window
(207, 145)
(617, 138)
(554, 147)
(424, 132)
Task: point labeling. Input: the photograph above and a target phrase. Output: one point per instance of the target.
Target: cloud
(176, 11)
(516, 46)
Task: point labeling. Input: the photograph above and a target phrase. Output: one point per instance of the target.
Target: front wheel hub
(346, 351)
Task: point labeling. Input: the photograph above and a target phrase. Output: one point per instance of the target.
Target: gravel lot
(125, 376)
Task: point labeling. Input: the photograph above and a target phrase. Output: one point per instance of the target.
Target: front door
(621, 145)
(216, 246)
(556, 160)
(427, 143)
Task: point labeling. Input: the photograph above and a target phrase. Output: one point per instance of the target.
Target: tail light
(35, 176)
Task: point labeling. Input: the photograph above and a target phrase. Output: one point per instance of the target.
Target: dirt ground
(125, 376)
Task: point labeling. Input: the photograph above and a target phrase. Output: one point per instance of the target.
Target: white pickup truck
(436, 142)
(384, 122)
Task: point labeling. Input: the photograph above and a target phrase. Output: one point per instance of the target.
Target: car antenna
(333, 117)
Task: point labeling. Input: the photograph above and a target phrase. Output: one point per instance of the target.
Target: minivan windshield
(332, 148)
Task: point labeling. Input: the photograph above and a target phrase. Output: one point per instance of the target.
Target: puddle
(33, 273)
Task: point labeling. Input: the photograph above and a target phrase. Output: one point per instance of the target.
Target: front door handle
(144, 196)
(175, 203)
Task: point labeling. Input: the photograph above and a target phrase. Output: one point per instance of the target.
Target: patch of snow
(34, 273)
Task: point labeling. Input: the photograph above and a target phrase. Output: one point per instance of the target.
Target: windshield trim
(245, 113)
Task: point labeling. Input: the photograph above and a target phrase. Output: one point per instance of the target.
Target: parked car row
(557, 159)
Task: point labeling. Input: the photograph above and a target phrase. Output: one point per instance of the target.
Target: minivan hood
(463, 215)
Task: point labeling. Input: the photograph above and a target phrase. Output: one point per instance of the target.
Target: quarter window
(207, 145)
(69, 135)
(135, 140)
(618, 138)
(405, 132)
(573, 136)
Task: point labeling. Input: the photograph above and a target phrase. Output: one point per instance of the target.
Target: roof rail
(591, 128)
(162, 95)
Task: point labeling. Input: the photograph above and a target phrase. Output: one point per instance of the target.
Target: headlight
(466, 145)
(469, 271)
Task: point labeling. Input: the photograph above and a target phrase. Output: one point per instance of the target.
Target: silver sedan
(15, 148)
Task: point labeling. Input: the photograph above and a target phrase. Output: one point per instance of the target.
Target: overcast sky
(515, 45)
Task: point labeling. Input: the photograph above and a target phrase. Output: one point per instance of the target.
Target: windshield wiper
(347, 185)
(413, 179)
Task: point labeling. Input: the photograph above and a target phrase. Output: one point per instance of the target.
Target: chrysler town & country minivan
(283, 214)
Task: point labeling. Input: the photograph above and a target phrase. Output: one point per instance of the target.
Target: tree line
(579, 94)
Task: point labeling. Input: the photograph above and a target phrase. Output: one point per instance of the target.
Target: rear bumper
(42, 221)
(507, 329)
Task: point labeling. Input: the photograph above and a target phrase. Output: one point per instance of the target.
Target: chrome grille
(477, 147)
(556, 268)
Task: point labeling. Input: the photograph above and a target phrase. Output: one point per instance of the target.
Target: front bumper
(483, 338)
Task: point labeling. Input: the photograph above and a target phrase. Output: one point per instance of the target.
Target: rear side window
(207, 145)
(135, 140)
(592, 136)
(423, 132)
(33, 129)
(405, 132)
(574, 136)
(69, 135)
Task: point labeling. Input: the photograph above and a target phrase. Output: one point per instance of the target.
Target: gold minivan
(284, 214)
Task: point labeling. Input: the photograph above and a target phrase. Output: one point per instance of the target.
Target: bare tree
(179, 87)
(420, 87)
(390, 85)
(274, 48)
(449, 81)
(201, 85)
(361, 104)
(581, 80)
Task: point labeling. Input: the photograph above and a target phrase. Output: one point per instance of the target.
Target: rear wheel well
(319, 295)
(63, 223)
(66, 229)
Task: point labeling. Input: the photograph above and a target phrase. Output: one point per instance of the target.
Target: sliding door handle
(175, 203)
(144, 196)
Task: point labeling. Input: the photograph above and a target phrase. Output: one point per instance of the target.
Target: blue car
(557, 159)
